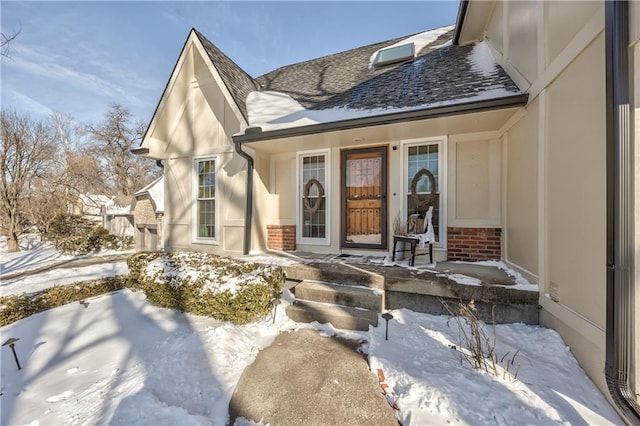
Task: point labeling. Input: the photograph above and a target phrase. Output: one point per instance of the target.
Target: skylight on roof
(394, 54)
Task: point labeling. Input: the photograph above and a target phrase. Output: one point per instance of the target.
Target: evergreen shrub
(206, 284)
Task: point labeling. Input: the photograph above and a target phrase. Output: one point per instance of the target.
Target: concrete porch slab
(497, 293)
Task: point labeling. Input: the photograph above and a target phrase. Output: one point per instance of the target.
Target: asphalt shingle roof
(438, 74)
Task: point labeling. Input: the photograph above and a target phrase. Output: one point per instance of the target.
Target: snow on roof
(482, 60)
(93, 203)
(156, 191)
(420, 41)
(274, 110)
(94, 199)
(119, 205)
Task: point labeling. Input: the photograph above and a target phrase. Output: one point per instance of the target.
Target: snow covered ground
(62, 276)
(121, 360)
(34, 254)
(37, 254)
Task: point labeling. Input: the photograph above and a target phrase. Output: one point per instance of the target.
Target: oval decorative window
(311, 205)
(423, 205)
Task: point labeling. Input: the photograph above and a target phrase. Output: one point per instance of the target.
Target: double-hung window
(205, 199)
(313, 192)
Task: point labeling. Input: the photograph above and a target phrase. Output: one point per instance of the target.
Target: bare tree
(47, 200)
(112, 141)
(28, 150)
(81, 171)
(5, 42)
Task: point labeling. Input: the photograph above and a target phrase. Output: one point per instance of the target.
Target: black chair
(415, 239)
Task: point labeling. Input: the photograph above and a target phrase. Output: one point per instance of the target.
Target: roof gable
(233, 82)
(237, 81)
(155, 191)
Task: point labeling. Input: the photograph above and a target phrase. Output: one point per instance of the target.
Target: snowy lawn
(62, 276)
(433, 384)
(37, 254)
(121, 360)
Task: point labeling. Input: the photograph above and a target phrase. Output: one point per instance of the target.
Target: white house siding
(196, 122)
(474, 180)
(555, 164)
(520, 144)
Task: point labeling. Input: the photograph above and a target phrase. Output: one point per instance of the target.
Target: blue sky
(80, 57)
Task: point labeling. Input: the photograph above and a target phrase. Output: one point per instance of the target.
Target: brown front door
(364, 198)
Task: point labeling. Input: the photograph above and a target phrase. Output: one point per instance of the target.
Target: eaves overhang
(255, 135)
(462, 13)
(141, 150)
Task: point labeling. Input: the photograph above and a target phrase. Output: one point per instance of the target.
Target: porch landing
(499, 294)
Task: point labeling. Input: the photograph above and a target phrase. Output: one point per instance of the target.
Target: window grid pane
(313, 224)
(423, 157)
(206, 204)
(206, 218)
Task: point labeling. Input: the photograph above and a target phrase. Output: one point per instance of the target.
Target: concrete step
(344, 317)
(429, 294)
(334, 273)
(339, 294)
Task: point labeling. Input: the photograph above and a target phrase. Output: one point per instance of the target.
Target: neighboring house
(89, 206)
(148, 212)
(117, 216)
(520, 111)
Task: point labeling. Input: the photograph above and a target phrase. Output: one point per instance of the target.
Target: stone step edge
(354, 276)
(335, 312)
(339, 294)
(338, 286)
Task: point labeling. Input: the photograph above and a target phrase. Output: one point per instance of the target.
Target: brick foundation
(281, 237)
(473, 244)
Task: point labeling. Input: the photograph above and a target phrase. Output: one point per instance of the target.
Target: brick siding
(281, 237)
(473, 244)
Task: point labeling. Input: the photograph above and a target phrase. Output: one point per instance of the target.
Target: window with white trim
(205, 195)
(312, 198)
(418, 156)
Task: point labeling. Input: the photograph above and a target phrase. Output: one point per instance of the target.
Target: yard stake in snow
(275, 303)
(387, 316)
(12, 343)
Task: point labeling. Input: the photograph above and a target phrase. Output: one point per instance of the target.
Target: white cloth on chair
(429, 235)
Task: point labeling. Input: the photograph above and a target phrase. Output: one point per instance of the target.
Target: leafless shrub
(479, 345)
